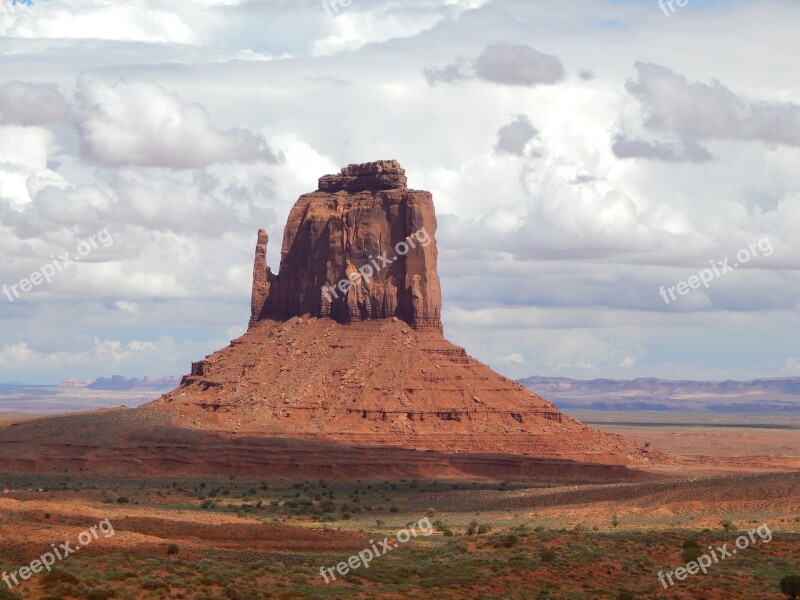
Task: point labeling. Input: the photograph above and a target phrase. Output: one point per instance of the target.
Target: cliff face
(360, 248)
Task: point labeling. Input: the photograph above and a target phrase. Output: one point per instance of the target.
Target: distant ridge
(778, 394)
(119, 383)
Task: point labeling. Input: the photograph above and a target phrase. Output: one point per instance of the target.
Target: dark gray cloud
(509, 64)
(710, 111)
(688, 151)
(518, 65)
(513, 137)
(23, 103)
(450, 74)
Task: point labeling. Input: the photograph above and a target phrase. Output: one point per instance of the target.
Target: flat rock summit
(344, 358)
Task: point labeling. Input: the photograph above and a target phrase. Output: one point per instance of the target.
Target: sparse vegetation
(468, 559)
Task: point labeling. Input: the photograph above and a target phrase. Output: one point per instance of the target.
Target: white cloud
(140, 123)
(24, 167)
(133, 20)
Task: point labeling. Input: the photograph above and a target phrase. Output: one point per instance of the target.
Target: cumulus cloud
(23, 103)
(710, 111)
(140, 123)
(508, 64)
(514, 137)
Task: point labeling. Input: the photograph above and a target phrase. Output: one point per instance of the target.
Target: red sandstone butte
(333, 354)
(360, 248)
(347, 387)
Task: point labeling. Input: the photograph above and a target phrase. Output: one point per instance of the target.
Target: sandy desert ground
(238, 537)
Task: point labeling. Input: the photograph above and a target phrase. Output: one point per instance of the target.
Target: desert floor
(232, 538)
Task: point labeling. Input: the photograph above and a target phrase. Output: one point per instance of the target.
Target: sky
(598, 168)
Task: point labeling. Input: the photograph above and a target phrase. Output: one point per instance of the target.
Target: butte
(344, 371)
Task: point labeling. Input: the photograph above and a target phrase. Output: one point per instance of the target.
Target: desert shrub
(614, 521)
(172, 549)
(328, 518)
(691, 551)
(154, 583)
(483, 528)
(728, 525)
(394, 509)
(624, 595)
(790, 586)
(439, 525)
(56, 577)
(123, 500)
(546, 555)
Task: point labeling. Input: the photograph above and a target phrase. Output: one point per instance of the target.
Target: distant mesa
(72, 383)
(118, 383)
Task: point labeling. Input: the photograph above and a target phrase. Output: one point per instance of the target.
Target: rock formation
(348, 382)
(345, 344)
(360, 248)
